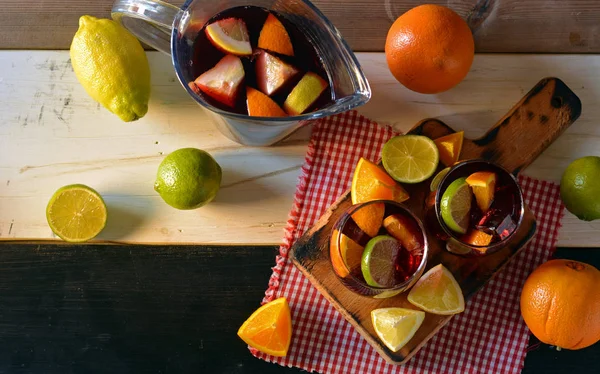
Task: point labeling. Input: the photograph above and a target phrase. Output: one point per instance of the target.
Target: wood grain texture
(52, 134)
(516, 141)
(498, 25)
(70, 309)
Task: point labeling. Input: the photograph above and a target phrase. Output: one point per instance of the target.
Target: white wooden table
(53, 134)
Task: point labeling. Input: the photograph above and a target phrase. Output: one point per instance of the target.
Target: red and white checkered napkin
(489, 337)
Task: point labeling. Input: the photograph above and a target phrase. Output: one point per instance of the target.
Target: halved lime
(435, 182)
(377, 263)
(456, 205)
(76, 213)
(410, 158)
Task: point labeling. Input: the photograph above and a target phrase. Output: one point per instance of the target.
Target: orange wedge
(274, 37)
(347, 257)
(476, 237)
(269, 328)
(404, 230)
(370, 182)
(449, 147)
(483, 184)
(261, 105)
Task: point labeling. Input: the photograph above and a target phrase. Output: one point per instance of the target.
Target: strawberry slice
(230, 35)
(223, 81)
(272, 73)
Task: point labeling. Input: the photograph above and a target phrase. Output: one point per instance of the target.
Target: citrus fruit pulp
(449, 147)
(347, 257)
(477, 238)
(435, 182)
(230, 35)
(483, 185)
(396, 326)
(76, 213)
(403, 229)
(261, 105)
(269, 328)
(455, 206)
(370, 182)
(379, 260)
(437, 292)
(274, 37)
(304, 94)
(410, 158)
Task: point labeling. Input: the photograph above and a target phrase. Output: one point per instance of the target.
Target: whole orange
(429, 49)
(560, 304)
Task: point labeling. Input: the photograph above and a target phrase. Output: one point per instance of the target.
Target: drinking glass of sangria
(477, 207)
(262, 68)
(385, 256)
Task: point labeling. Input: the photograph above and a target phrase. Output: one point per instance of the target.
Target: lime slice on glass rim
(455, 206)
(378, 261)
(435, 182)
(76, 213)
(410, 158)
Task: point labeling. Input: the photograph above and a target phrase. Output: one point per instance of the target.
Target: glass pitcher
(173, 31)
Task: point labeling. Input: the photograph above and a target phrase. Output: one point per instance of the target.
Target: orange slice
(404, 230)
(347, 257)
(230, 35)
(449, 147)
(261, 105)
(370, 182)
(483, 184)
(274, 37)
(269, 328)
(477, 237)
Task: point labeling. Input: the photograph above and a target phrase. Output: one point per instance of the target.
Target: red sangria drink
(253, 61)
(479, 207)
(384, 262)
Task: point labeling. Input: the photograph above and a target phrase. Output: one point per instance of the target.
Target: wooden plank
(146, 309)
(530, 126)
(52, 134)
(498, 25)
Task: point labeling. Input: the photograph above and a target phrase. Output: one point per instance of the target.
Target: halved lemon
(437, 292)
(230, 35)
(396, 326)
(76, 213)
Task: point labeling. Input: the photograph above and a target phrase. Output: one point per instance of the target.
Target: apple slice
(272, 73)
(306, 92)
(230, 35)
(274, 37)
(261, 105)
(223, 81)
(404, 230)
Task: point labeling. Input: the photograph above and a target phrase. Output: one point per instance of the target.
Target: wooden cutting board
(514, 143)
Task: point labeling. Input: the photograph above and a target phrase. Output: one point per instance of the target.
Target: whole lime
(580, 188)
(188, 178)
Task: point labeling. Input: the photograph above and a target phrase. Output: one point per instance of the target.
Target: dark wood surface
(549, 26)
(532, 124)
(164, 309)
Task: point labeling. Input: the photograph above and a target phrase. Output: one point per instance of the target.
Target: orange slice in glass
(449, 147)
(269, 328)
(483, 184)
(477, 237)
(230, 35)
(347, 257)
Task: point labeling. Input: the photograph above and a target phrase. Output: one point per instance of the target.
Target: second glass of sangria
(378, 248)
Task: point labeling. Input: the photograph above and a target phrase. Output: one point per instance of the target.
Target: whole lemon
(188, 178)
(112, 66)
(580, 188)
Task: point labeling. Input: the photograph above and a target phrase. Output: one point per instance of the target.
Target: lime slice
(456, 206)
(435, 182)
(437, 292)
(396, 326)
(410, 158)
(377, 263)
(76, 213)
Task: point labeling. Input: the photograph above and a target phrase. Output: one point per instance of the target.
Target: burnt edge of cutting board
(514, 142)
